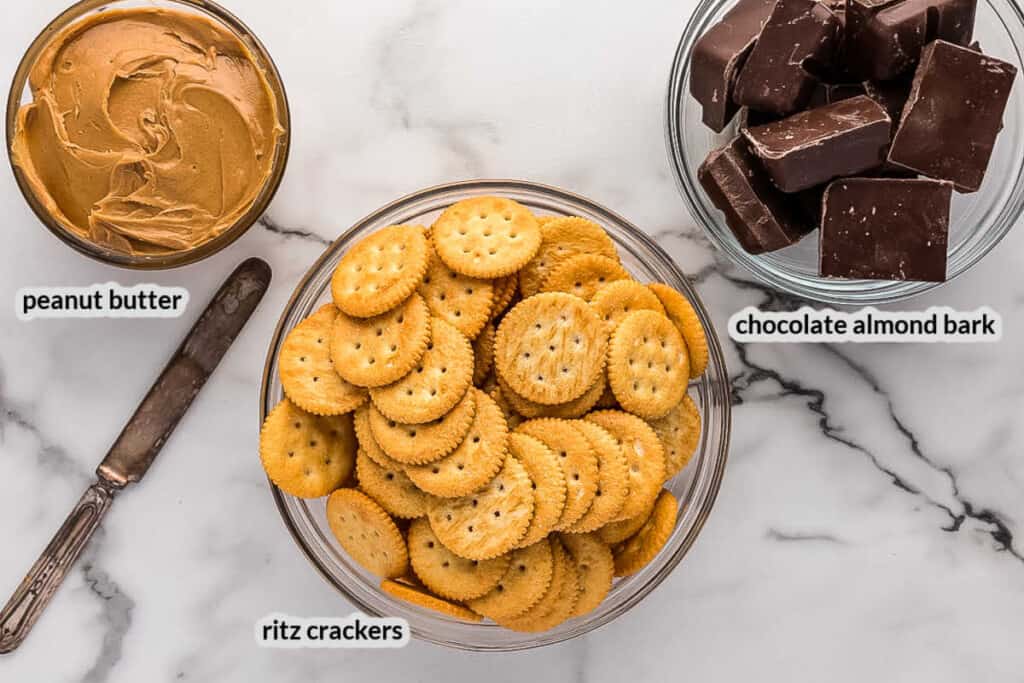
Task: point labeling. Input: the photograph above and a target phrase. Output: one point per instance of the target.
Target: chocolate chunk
(830, 93)
(752, 117)
(953, 114)
(816, 145)
(718, 57)
(799, 37)
(885, 229)
(762, 218)
(890, 44)
(890, 94)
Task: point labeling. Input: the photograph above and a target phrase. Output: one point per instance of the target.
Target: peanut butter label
(109, 300)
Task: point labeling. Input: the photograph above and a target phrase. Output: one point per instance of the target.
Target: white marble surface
(871, 523)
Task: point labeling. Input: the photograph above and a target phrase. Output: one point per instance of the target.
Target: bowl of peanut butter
(148, 135)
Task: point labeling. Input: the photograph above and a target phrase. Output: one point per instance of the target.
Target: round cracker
(447, 574)
(575, 457)
(483, 354)
(612, 478)
(584, 274)
(461, 301)
(558, 602)
(419, 444)
(367, 533)
(486, 237)
(523, 585)
(595, 566)
(562, 238)
(306, 455)
(512, 418)
(373, 352)
(644, 453)
(617, 299)
(390, 488)
(648, 367)
(548, 483)
(679, 432)
(476, 460)
(637, 551)
(488, 522)
(551, 348)
(307, 373)
(681, 312)
(381, 271)
(435, 384)
(614, 533)
(367, 442)
(421, 598)
(578, 407)
(505, 289)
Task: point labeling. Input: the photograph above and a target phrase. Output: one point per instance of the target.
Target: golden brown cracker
(447, 574)
(390, 488)
(435, 384)
(418, 444)
(577, 460)
(578, 407)
(381, 271)
(306, 455)
(614, 533)
(561, 238)
(548, 483)
(505, 289)
(612, 478)
(644, 453)
(637, 551)
(617, 299)
(512, 418)
(373, 352)
(483, 354)
(367, 533)
(461, 301)
(648, 367)
(558, 602)
(476, 460)
(524, 583)
(551, 348)
(368, 443)
(679, 432)
(488, 522)
(486, 237)
(307, 373)
(582, 275)
(421, 598)
(595, 567)
(681, 312)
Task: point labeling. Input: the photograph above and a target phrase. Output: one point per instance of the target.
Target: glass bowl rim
(282, 150)
(723, 425)
(810, 287)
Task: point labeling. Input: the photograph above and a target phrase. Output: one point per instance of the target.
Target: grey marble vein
(116, 619)
(270, 225)
(774, 534)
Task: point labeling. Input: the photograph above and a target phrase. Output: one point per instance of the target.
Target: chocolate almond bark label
(808, 325)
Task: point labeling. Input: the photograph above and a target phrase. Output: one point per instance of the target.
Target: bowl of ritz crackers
(497, 410)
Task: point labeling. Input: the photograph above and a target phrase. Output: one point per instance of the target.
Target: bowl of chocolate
(851, 151)
(147, 135)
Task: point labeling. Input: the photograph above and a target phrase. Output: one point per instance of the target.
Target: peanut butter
(150, 131)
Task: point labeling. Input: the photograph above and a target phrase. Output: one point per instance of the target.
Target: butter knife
(139, 443)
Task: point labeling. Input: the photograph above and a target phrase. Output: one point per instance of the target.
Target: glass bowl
(978, 221)
(20, 93)
(695, 487)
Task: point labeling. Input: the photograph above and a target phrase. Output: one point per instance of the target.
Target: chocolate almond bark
(760, 216)
(953, 115)
(817, 145)
(718, 57)
(885, 229)
(800, 36)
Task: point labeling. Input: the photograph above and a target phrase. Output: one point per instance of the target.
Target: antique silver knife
(139, 442)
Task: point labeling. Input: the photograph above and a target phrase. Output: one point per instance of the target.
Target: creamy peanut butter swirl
(150, 131)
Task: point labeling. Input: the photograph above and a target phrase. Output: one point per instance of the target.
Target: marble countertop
(871, 521)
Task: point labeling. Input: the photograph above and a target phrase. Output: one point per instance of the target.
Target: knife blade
(139, 442)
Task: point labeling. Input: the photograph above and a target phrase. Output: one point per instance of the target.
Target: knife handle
(28, 602)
